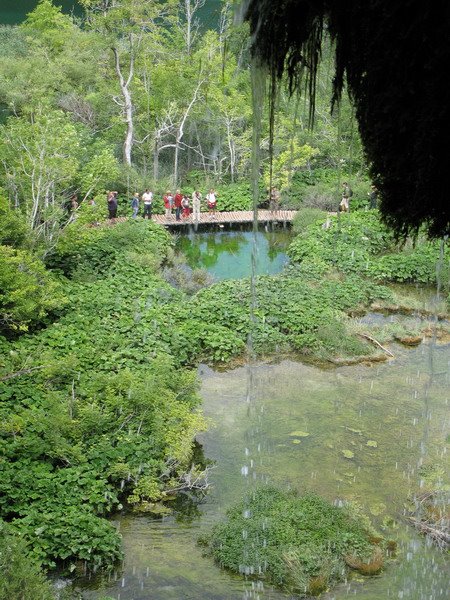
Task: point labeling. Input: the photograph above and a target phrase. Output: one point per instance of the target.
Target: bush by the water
(360, 243)
(21, 577)
(94, 409)
(300, 543)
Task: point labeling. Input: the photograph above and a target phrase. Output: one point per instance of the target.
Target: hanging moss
(395, 58)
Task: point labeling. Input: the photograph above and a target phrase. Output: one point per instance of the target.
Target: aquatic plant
(300, 543)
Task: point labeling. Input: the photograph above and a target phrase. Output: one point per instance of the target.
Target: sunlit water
(228, 254)
(401, 405)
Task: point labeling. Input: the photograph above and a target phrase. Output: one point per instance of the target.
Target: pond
(400, 407)
(15, 11)
(228, 254)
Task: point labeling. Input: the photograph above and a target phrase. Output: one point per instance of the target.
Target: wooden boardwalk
(264, 216)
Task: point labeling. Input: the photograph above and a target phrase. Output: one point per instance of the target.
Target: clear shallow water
(402, 405)
(228, 254)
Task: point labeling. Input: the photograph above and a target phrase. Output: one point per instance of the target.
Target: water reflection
(227, 254)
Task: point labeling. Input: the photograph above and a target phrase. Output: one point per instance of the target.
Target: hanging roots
(395, 58)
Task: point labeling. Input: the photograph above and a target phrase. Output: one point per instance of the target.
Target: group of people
(178, 204)
(182, 206)
(347, 193)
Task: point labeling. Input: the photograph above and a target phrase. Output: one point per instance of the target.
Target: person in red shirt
(178, 206)
(168, 203)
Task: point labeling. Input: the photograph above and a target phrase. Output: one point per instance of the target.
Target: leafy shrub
(319, 197)
(235, 196)
(293, 541)
(28, 292)
(92, 250)
(359, 243)
(13, 228)
(307, 216)
(20, 573)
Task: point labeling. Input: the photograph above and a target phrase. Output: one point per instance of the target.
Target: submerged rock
(348, 453)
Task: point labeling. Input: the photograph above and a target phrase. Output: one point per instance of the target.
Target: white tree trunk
(180, 131)
(127, 106)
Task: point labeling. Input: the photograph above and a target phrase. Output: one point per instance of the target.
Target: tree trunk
(156, 159)
(127, 106)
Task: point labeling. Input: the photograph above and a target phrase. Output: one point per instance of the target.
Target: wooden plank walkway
(264, 216)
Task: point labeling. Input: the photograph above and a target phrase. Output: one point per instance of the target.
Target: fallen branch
(376, 343)
(442, 538)
(20, 373)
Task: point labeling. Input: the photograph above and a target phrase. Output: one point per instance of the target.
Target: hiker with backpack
(347, 193)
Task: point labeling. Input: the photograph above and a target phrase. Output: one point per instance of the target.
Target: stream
(358, 433)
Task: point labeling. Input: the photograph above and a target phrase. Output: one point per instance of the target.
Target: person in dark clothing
(373, 197)
(112, 204)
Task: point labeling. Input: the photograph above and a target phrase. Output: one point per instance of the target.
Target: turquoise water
(228, 254)
(15, 11)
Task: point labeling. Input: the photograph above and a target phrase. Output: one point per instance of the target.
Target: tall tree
(124, 24)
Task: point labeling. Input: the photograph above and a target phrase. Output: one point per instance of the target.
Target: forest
(103, 325)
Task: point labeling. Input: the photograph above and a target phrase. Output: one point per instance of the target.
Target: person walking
(147, 199)
(112, 204)
(347, 193)
(274, 200)
(178, 201)
(211, 199)
(196, 205)
(168, 203)
(135, 205)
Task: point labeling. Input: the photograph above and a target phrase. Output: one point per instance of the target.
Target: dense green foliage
(359, 243)
(21, 577)
(94, 410)
(299, 543)
(28, 292)
(74, 92)
(291, 312)
(98, 330)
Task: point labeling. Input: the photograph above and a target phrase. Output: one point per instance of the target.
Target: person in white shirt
(147, 199)
(211, 199)
(196, 203)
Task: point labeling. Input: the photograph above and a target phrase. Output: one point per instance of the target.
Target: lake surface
(228, 254)
(15, 11)
(402, 405)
